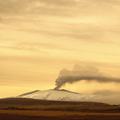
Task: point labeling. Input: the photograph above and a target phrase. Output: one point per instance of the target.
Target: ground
(29, 109)
(55, 115)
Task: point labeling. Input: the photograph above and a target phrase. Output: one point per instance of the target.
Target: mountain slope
(57, 95)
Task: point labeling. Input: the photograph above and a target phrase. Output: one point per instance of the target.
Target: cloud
(65, 7)
(32, 6)
(61, 19)
(106, 92)
(108, 96)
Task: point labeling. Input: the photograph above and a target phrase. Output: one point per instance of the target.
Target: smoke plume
(86, 73)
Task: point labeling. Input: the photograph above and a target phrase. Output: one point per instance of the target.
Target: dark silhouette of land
(30, 109)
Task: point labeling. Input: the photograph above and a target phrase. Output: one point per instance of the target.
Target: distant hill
(33, 104)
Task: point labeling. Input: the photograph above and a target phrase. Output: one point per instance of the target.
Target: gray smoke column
(80, 73)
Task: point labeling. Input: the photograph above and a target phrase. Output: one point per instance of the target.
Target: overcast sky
(38, 38)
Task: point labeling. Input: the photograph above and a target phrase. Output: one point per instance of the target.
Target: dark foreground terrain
(28, 109)
(55, 115)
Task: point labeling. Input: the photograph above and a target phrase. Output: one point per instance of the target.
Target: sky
(39, 38)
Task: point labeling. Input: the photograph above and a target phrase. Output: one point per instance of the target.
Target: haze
(38, 38)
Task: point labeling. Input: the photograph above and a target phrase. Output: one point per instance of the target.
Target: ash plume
(86, 73)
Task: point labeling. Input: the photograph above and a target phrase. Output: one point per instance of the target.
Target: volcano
(57, 95)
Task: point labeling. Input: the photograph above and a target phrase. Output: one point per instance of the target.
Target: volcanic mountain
(57, 95)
